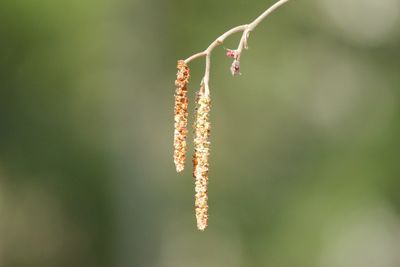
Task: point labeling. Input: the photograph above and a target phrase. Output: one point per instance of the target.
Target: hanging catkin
(181, 115)
(200, 157)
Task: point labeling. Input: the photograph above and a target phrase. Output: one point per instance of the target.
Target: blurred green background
(305, 143)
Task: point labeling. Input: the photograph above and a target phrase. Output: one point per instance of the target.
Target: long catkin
(200, 157)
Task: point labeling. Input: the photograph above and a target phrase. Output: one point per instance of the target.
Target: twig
(246, 29)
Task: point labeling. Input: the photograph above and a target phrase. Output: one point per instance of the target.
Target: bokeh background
(305, 143)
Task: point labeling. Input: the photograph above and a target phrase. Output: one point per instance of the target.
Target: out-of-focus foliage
(305, 144)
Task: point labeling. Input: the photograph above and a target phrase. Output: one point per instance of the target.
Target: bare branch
(245, 29)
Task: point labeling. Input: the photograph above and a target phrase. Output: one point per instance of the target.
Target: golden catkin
(200, 157)
(181, 115)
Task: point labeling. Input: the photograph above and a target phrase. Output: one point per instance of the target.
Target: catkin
(200, 157)
(181, 115)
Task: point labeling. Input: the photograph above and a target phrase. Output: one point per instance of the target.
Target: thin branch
(266, 13)
(220, 40)
(246, 29)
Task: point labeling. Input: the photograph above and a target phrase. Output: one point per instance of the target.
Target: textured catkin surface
(200, 158)
(181, 115)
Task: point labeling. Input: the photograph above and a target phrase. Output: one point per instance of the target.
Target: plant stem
(246, 29)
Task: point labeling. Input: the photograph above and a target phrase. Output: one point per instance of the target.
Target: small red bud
(231, 53)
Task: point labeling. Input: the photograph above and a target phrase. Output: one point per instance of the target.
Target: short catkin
(181, 115)
(200, 158)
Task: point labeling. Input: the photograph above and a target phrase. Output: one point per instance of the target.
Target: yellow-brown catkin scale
(181, 115)
(200, 157)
